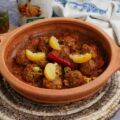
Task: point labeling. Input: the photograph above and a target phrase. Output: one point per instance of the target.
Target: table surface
(11, 5)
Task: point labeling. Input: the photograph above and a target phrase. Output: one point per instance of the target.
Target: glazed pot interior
(56, 27)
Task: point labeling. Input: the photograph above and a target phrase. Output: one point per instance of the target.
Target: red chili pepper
(54, 57)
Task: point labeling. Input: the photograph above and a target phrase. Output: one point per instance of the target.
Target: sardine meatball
(73, 78)
(53, 84)
(31, 73)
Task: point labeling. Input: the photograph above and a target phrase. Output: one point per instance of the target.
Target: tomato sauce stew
(57, 60)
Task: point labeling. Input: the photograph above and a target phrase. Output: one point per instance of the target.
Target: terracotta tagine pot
(10, 40)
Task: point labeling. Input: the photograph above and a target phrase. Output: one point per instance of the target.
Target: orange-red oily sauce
(61, 35)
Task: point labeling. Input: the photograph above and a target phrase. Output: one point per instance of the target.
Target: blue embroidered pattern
(88, 7)
(63, 2)
(118, 8)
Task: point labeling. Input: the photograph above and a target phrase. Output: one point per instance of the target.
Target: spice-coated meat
(30, 75)
(53, 84)
(73, 78)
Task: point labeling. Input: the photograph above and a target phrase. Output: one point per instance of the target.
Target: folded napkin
(99, 12)
(115, 20)
(116, 11)
(110, 32)
(116, 27)
(103, 9)
(81, 8)
(58, 6)
(100, 23)
(103, 25)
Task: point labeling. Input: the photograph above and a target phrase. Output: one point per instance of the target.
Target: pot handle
(119, 56)
(116, 65)
(2, 38)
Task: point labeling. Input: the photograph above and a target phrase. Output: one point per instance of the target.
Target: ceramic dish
(31, 10)
(10, 40)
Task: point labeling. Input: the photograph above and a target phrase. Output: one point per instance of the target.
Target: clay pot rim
(14, 81)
